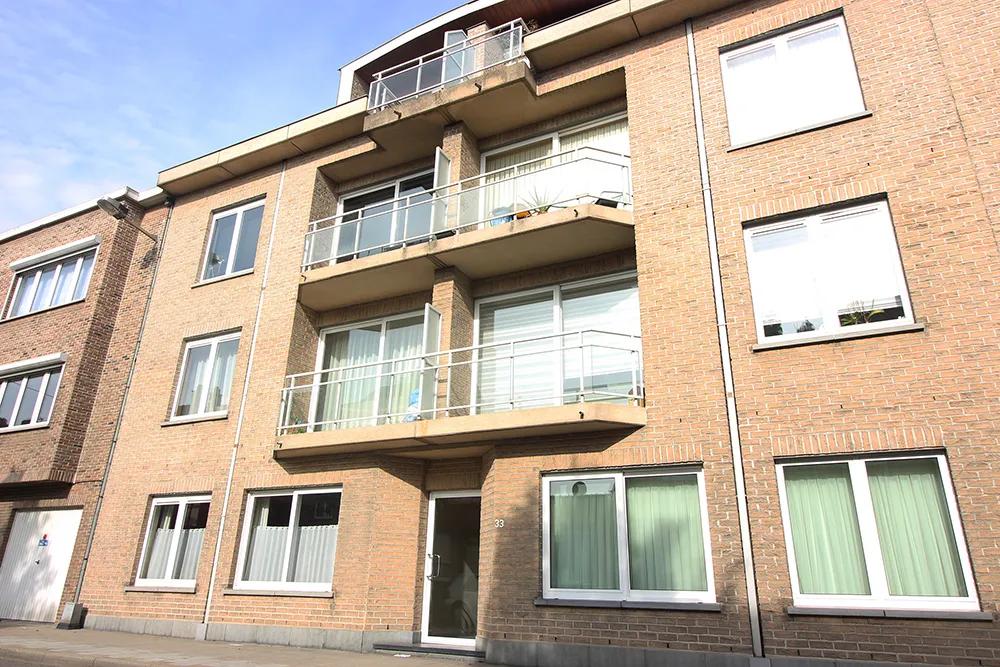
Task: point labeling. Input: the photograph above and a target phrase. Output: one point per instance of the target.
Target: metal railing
(581, 175)
(558, 369)
(448, 65)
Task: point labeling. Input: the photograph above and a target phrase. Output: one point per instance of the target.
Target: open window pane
(826, 536)
(268, 537)
(915, 529)
(217, 263)
(193, 381)
(584, 534)
(314, 542)
(222, 376)
(665, 540)
(246, 245)
(158, 542)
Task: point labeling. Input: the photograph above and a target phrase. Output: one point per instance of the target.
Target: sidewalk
(44, 644)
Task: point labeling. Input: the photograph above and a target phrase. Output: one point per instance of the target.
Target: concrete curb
(63, 659)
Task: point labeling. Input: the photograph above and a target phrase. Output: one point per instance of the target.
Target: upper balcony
(553, 209)
(452, 403)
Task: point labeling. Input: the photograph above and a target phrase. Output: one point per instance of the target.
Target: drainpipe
(72, 616)
(727, 366)
(202, 631)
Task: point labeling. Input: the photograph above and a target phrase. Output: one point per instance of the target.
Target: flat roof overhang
(549, 238)
(455, 437)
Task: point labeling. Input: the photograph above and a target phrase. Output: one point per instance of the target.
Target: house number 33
(498, 523)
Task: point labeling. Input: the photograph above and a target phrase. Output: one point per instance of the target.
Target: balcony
(553, 209)
(452, 403)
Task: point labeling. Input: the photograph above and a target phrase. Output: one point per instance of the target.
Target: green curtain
(665, 539)
(914, 529)
(584, 535)
(825, 533)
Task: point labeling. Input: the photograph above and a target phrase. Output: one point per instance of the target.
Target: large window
(382, 218)
(232, 245)
(26, 398)
(877, 532)
(52, 284)
(206, 377)
(798, 79)
(174, 537)
(566, 343)
(826, 274)
(289, 540)
(639, 535)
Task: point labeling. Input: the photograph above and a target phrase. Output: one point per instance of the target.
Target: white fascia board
(73, 211)
(22, 367)
(348, 70)
(55, 253)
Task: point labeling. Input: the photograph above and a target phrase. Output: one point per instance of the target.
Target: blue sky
(98, 94)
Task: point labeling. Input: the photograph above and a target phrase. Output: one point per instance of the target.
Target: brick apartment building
(581, 333)
(76, 288)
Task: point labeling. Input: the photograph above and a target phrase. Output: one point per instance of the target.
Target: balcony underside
(540, 240)
(499, 99)
(463, 436)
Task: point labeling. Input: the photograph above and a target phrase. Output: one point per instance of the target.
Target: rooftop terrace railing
(570, 178)
(447, 66)
(541, 371)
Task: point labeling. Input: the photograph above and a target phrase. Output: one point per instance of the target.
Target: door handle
(435, 566)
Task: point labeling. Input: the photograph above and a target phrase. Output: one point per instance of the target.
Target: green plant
(859, 314)
(537, 201)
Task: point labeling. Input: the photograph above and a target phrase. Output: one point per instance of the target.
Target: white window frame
(23, 375)
(557, 322)
(395, 185)
(879, 598)
(200, 342)
(830, 314)
(237, 231)
(182, 503)
(37, 270)
(780, 44)
(293, 521)
(625, 592)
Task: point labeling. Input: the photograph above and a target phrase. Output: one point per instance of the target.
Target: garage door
(35, 564)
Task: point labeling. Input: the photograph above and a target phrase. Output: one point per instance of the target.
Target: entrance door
(33, 571)
(451, 584)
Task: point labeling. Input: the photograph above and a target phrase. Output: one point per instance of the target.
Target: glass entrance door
(451, 584)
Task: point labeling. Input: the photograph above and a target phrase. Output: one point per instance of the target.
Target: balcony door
(373, 373)
(386, 217)
(562, 344)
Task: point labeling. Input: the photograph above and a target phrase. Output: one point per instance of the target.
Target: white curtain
(400, 381)
(221, 381)
(512, 189)
(611, 137)
(194, 380)
(189, 544)
(313, 552)
(158, 546)
(349, 398)
(533, 370)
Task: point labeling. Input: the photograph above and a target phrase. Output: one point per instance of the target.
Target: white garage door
(34, 566)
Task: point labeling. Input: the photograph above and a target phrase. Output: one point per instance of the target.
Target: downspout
(202, 631)
(727, 367)
(72, 615)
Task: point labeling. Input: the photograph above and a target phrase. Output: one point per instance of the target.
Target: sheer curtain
(400, 384)
(221, 381)
(915, 529)
(350, 394)
(158, 547)
(194, 380)
(583, 535)
(511, 189)
(314, 542)
(595, 177)
(665, 540)
(189, 541)
(266, 550)
(825, 533)
(533, 371)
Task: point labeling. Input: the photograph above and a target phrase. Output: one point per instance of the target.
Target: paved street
(29, 645)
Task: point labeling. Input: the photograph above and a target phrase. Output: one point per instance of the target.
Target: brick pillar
(453, 297)
(462, 147)
(479, 50)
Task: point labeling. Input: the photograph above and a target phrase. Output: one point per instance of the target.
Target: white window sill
(863, 612)
(160, 588)
(802, 130)
(278, 593)
(629, 604)
(195, 419)
(24, 427)
(45, 310)
(839, 336)
(219, 279)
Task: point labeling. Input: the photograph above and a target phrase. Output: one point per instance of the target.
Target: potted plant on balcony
(535, 202)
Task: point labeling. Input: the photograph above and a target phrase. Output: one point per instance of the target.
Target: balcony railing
(570, 178)
(535, 372)
(447, 66)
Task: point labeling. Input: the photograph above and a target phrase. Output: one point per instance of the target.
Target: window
(26, 398)
(232, 246)
(206, 376)
(53, 284)
(796, 80)
(290, 540)
(878, 532)
(381, 219)
(826, 274)
(174, 536)
(627, 536)
(566, 343)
